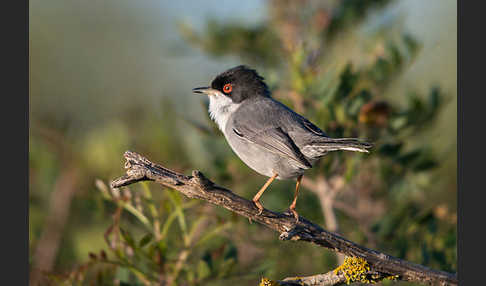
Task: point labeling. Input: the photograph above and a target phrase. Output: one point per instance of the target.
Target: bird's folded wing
(274, 140)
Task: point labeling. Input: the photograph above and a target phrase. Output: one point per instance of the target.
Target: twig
(199, 187)
(329, 278)
(58, 212)
(326, 192)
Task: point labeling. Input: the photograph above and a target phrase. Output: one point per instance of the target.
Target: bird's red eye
(227, 88)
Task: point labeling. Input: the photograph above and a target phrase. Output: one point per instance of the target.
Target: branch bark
(329, 278)
(139, 168)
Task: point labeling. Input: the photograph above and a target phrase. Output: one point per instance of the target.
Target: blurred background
(110, 76)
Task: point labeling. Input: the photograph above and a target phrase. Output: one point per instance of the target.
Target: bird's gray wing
(309, 126)
(274, 140)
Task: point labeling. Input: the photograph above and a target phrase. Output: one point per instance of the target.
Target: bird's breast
(260, 159)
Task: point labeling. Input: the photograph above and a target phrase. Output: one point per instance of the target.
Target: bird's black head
(240, 83)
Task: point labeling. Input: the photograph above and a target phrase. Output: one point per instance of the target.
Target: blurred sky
(97, 56)
(434, 24)
(85, 55)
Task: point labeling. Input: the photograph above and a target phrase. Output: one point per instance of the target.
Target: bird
(265, 134)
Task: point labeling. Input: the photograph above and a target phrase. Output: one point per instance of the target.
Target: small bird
(268, 136)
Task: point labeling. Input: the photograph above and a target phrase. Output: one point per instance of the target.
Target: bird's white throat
(220, 109)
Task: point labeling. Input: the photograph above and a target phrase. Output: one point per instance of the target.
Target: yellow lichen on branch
(355, 269)
(267, 282)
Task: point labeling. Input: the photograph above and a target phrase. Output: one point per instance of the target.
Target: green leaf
(348, 80)
(167, 224)
(425, 165)
(409, 157)
(145, 240)
(150, 202)
(128, 238)
(390, 149)
(434, 98)
(203, 270)
(177, 202)
(411, 44)
(138, 214)
(231, 252)
(212, 233)
(398, 122)
(225, 267)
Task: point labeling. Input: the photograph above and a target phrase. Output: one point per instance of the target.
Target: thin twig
(326, 192)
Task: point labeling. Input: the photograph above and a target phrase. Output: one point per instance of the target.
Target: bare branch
(327, 279)
(199, 187)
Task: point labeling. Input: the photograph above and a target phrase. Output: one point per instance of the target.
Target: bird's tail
(336, 144)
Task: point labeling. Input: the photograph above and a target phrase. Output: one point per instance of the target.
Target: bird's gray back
(267, 113)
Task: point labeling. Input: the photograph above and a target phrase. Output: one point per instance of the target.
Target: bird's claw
(296, 215)
(259, 206)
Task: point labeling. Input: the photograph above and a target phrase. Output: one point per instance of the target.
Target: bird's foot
(296, 215)
(259, 206)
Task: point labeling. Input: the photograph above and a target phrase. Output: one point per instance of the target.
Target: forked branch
(379, 265)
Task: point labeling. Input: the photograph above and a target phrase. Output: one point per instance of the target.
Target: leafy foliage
(173, 246)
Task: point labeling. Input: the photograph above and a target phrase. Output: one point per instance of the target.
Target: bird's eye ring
(227, 88)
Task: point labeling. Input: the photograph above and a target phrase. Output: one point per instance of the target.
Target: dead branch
(49, 242)
(197, 186)
(330, 278)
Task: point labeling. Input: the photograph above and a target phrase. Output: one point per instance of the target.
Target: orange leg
(256, 198)
(294, 202)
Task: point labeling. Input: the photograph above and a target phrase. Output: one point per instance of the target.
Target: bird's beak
(204, 90)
